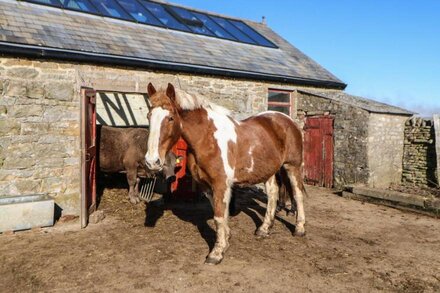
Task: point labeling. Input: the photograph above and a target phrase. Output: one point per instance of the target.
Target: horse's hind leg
(272, 198)
(294, 174)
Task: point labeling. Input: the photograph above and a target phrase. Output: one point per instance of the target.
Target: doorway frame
(88, 153)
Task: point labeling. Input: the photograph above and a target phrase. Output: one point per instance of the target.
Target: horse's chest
(225, 137)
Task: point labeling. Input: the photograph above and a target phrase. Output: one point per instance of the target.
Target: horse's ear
(151, 90)
(171, 93)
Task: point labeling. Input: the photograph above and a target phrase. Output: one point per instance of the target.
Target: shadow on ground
(250, 201)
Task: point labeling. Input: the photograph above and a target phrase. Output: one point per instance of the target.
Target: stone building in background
(50, 55)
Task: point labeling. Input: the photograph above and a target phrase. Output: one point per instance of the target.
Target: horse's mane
(188, 101)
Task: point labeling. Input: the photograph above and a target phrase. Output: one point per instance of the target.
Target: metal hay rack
(147, 188)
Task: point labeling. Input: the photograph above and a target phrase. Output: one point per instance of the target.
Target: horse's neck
(197, 127)
(194, 125)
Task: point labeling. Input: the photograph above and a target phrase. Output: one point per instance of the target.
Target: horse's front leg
(221, 198)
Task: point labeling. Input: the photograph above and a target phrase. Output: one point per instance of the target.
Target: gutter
(34, 51)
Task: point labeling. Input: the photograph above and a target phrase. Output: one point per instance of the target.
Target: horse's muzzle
(155, 166)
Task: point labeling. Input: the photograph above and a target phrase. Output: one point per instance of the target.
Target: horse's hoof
(300, 232)
(261, 234)
(134, 200)
(213, 261)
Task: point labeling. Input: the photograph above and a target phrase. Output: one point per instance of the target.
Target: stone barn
(366, 139)
(65, 66)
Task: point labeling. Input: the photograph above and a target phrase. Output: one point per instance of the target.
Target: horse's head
(165, 125)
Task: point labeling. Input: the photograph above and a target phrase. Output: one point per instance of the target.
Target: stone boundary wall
(436, 119)
(419, 156)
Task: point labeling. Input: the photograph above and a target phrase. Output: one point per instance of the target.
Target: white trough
(26, 212)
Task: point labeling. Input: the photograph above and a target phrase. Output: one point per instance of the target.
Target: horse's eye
(170, 118)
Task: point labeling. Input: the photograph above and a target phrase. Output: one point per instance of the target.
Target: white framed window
(280, 100)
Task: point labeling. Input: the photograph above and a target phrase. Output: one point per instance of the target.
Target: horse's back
(289, 133)
(279, 126)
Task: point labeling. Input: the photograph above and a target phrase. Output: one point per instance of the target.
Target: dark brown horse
(123, 150)
(225, 152)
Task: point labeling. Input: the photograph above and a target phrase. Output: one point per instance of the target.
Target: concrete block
(26, 212)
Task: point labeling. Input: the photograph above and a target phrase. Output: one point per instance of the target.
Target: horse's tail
(286, 200)
(304, 191)
(285, 193)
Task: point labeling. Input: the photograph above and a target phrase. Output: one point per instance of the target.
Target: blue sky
(384, 50)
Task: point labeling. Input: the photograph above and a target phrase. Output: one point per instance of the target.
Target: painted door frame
(88, 154)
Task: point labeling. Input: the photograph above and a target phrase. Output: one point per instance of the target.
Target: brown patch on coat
(275, 140)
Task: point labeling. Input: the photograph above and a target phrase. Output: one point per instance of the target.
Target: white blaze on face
(224, 134)
(157, 116)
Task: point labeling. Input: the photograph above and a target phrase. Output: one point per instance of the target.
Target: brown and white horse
(224, 152)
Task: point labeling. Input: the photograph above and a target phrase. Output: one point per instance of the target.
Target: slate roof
(52, 32)
(359, 102)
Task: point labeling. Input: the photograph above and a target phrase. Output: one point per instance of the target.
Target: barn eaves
(359, 102)
(36, 30)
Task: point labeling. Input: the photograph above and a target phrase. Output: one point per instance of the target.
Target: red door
(88, 148)
(318, 151)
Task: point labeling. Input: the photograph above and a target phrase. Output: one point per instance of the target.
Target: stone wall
(40, 117)
(39, 131)
(419, 161)
(436, 120)
(350, 137)
(385, 149)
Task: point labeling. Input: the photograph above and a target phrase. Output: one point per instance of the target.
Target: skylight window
(48, 2)
(239, 35)
(138, 12)
(188, 18)
(81, 5)
(168, 16)
(184, 16)
(111, 8)
(163, 15)
(214, 27)
(251, 33)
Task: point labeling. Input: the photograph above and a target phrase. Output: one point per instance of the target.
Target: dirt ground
(349, 247)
